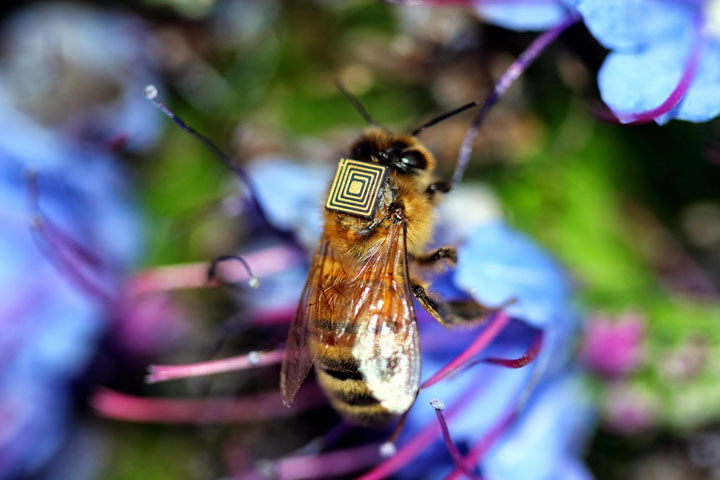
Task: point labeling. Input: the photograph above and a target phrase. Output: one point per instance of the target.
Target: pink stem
(119, 406)
(454, 453)
(333, 464)
(523, 360)
(411, 450)
(499, 321)
(678, 92)
(162, 373)
(483, 445)
(419, 443)
(194, 275)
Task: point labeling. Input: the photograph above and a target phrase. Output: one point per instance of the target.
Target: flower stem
(72, 260)
(263, 406)
(483, 445)
(420, 442)
(151, 94)
(516, 69)
(194, 275)
(163, 373)
(498, 322)
(454, 453)
(333, 464)
(523, 360)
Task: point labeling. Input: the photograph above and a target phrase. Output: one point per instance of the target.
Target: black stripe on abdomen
(345, 387)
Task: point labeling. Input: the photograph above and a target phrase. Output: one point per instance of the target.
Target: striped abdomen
(338, 374)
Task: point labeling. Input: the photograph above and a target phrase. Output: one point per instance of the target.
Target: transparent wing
(386, 345)
(298, 359)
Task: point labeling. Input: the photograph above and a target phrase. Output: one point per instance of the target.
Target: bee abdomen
(351, 397)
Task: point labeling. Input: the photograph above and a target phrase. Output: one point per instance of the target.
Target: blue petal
(105, 47)
(547, 438)
(292, 195)
(636, 81)
(524, 16)
(702, 100)
(628, 24)
(497, 264)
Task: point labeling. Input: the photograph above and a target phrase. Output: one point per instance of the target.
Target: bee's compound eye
(414, 159)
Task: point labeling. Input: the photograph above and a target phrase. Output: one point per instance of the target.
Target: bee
(355, 321)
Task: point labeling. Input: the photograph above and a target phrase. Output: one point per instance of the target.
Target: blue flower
(664, 59)
(496, 263)
(551, 408)
(59, 278)
(70, 68)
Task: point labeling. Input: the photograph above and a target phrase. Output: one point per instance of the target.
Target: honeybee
(355, 320)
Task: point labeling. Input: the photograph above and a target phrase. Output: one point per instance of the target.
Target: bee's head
(401, 153)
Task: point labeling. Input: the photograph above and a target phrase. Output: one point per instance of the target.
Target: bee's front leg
(455, 312)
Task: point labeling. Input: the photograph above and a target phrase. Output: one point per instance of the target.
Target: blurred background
(105, 200)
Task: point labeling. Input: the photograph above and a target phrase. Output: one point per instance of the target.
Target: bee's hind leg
(455, 313)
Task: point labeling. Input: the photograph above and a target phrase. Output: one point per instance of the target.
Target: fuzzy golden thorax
(411, 168)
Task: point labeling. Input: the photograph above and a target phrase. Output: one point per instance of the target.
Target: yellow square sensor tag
(356, 188)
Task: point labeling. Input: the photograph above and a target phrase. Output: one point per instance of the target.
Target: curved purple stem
(72, 260)
(223, 158)
(266, 261)
(496, 325)
(415, 446)
(680, 89)
(517, 68)
(522, 360)
(483, 445)
(454, 453)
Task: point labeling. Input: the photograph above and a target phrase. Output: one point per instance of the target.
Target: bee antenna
(151, 93)
(444, 116)
(355, 102)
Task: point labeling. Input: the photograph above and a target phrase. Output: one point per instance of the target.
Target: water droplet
(437, 404)
(151, 92)
(253, 282)
(387, 449)
(254, 358)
